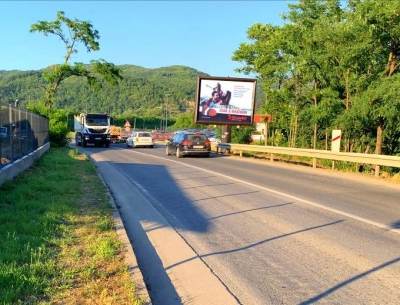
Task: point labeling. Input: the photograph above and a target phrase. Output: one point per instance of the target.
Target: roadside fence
(21, 132)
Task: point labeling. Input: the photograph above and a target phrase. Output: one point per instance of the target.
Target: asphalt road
(271, 234)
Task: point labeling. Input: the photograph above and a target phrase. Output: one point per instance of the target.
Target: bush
(58, 121)
(242, 135)
(185, 120)
(58, 127)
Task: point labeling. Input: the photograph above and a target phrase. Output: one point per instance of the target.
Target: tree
(326, 59)
(185, 120)
(73, 32)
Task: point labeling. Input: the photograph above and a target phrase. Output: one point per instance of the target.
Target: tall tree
(72, 33)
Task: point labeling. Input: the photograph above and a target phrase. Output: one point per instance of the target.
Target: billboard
(225, 100)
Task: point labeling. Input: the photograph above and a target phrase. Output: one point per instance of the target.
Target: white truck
(92, 128)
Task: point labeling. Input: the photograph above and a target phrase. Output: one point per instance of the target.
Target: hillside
(142, 91)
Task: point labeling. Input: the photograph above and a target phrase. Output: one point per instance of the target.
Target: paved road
(271, 234)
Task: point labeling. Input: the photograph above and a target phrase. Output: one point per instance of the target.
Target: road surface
(266, 234)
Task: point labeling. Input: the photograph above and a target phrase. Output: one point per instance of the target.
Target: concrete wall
(11, 170)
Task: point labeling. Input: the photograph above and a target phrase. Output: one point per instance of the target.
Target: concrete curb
(10, 171)
(129, 255)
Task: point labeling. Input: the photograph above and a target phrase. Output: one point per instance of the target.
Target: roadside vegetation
(57, 241)
(331, 65)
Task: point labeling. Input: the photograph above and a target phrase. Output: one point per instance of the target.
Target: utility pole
(166, 111)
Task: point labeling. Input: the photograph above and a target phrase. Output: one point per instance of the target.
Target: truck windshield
(96, 120)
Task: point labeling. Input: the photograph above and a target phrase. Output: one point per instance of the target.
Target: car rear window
(144, 135)
(196, 137)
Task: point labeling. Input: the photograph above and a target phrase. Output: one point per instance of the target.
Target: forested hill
(141, 92)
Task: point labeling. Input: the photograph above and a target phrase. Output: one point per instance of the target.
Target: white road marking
(308, 202)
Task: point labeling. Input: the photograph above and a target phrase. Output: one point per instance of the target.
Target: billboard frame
(216, 78)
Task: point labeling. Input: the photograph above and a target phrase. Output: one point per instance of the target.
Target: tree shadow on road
(340, 285)
(258, 243)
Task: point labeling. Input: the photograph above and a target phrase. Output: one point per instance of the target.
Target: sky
(199, 34)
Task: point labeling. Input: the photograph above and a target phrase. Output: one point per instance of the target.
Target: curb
(129, 255)
(13, 169)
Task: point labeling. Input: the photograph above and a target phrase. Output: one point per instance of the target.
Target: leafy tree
(330, 65)
(73, 32)
(185, 120)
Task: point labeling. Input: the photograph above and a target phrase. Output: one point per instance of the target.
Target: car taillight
(186, 143)
(207, 142)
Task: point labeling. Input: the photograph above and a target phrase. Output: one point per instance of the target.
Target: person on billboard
(207, 106)
(224, 97)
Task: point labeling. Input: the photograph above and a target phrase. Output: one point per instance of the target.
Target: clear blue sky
(199, 34)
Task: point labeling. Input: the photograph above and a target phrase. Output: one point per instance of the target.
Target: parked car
(3, 132)
(188, 143)
(140, 138)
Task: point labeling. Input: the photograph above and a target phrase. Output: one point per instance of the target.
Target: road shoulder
(158, 246)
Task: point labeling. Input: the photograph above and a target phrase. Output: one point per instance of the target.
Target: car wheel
(178, 152)
(84, 144)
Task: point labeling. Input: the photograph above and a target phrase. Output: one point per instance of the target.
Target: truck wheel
(178, 152)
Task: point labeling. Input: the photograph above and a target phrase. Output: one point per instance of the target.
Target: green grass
(57, 238)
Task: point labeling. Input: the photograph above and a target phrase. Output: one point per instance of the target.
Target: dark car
(188, 143)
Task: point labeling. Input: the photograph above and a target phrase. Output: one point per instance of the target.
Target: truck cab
(92, 128)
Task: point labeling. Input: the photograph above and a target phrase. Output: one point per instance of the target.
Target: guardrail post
(241, 154)
(271, 157)
(377, 169)
(314, 162)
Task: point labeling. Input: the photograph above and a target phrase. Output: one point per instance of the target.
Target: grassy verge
(57, 242)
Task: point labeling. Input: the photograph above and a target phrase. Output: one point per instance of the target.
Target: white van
(140, 138)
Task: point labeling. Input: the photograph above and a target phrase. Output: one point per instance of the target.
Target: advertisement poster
(227, 101)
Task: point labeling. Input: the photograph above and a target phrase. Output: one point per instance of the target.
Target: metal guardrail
(374, 159)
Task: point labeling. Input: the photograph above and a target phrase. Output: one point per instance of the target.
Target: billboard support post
(226, 134)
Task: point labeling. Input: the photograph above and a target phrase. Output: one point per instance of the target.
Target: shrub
(58, 121)
(242, 135)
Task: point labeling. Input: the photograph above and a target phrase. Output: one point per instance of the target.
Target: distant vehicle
(3, 132)
(118, 134)
(92, 128)
(140, 138)
(188, 143)
(213, 137)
